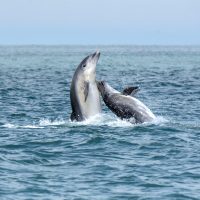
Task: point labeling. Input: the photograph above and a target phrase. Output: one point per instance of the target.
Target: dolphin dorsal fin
(86, 89)
(130, 90)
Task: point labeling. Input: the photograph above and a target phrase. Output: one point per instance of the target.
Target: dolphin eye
(84, 65)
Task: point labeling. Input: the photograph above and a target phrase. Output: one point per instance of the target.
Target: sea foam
(97, 120)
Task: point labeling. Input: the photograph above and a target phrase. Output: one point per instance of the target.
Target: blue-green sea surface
(43, 155)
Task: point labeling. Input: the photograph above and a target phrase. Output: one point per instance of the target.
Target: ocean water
(45, 156)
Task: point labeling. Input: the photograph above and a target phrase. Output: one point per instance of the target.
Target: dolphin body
(123, 105)
(84, 94)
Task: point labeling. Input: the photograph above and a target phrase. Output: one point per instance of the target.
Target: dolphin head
(88, 64)
(102, 87)
(105, 89)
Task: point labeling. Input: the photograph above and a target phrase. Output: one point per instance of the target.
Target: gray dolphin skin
(123, 105)
(84, 94)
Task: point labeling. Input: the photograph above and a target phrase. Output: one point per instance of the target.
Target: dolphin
(84, 94)
(123, 105)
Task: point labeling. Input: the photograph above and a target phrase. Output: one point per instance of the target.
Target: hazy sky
(99, 21)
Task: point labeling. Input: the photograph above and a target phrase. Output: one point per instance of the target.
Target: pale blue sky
(100, 22)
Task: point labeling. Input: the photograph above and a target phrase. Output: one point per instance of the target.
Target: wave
(14, 126)
(48, 122)
(97, 120)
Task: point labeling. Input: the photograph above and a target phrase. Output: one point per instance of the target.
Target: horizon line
(103, 44)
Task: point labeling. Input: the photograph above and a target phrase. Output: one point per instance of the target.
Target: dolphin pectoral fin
(130, 90)
(86, 89)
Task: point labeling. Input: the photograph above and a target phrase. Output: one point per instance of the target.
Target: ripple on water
(45, 155)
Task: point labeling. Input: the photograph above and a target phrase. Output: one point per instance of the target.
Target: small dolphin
(124, 105)
(84, 94)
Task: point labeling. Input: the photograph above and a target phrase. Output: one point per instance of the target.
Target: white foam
(31, 126)
(8, 125)
(119, 123)
(13, 126)
(47, 122)
(97, 120)
(102, 120)
(42, 124)
(159, 120)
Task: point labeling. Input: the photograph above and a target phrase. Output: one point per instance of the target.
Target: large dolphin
(123, 105)
(84, 94)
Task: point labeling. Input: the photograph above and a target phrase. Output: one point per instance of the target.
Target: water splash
(13, 126)
(8, 125)
(47, 122)
(103, 120)
(97, 120)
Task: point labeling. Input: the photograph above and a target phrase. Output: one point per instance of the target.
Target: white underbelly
(142, 108)
(92, 104)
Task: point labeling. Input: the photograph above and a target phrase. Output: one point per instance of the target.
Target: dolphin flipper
(130, 90)
(86, 89)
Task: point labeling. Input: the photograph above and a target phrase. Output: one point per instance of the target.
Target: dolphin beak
(100, 85)
(96, 55)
